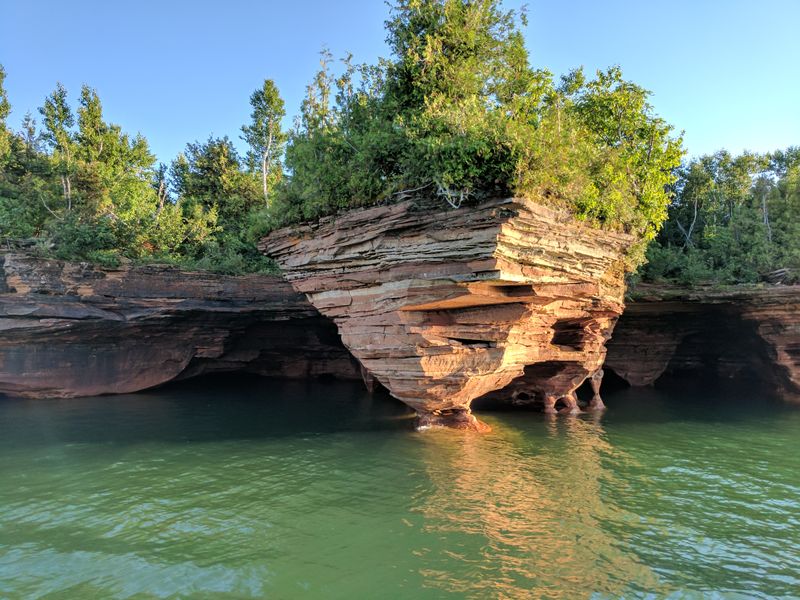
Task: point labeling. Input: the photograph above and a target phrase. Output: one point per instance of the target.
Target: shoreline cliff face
(746, 332)
(495, 305)
(442, 307)
(71, 329)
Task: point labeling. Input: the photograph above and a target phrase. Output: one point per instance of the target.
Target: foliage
(458, 114)
(5, 109)
(86, 239)
(733, 219)
(210, 174)
(89, 191)
(264, 135)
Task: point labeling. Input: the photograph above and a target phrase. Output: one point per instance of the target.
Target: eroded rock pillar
(596, 381)
(570, 404)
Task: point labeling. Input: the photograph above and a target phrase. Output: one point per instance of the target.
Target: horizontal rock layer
(69, 329)
(444, 306)
(751, 332)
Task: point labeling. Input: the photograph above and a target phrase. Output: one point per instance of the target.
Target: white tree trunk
(265, 168)
(264, 177)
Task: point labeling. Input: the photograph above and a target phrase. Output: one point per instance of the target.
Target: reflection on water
(530, 513)
(259, 489)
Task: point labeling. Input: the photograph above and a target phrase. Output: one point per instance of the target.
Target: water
(263, 489)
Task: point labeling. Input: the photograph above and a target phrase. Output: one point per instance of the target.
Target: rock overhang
(444, 306)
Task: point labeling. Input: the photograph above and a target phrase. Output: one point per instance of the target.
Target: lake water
(233, 488)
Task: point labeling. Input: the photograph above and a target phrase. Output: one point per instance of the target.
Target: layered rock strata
(444, 306)
(69, 329)
(743, 332)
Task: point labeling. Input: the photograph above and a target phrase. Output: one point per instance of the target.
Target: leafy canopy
(733, 219)
(459, 115)
(455, 115)
(85, 190)
(265, 136)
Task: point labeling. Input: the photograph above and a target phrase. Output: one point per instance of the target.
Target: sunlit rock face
(70, 329)
(444, 306)
(739, 333)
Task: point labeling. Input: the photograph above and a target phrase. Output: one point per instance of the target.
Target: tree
(457, 71)
(211, 175)
(733, 219)
(458, 114)
(58, 122)
(264, 134)
(91, 128)
(161, 185)
(5, 110)
(29, 135)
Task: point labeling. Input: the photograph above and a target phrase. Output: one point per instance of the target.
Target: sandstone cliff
(751, 332)
(442, 307)
(70, 329)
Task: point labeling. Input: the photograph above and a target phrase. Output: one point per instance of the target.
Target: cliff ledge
(748, 332)
(71, 329)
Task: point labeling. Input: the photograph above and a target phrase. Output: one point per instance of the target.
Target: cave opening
(721, 350)
(569, 333)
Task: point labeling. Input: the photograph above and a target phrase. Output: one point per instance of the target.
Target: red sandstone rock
(69, 329)
(712, 332)
(444, 306)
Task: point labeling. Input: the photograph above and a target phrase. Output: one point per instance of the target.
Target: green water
(306, 490)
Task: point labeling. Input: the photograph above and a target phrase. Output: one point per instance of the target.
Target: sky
(726, 72)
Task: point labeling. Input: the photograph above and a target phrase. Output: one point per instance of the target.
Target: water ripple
(252, 493)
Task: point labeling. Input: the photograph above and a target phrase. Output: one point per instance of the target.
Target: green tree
(264, 134)
(58, 122)
(458, 114)
(29, 135)
(734, 219)
(91, 128)
(209, 179)
(211, 174)
(5, 110)
(160, 183)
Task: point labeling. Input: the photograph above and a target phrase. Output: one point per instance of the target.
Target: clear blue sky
(726, 71)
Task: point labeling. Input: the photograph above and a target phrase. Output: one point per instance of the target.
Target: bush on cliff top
(459, 114)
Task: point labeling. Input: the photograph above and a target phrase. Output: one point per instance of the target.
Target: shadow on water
(692, 398)
(250, 407)
(209, 408)
(697, 399)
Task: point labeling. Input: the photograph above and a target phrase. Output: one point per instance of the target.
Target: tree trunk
(69, 193)
(264, 177)
(67, 183)
(265, 158)
(67, 187)
(688, 234)
(265, 167)
(162, 196)
(765, 210)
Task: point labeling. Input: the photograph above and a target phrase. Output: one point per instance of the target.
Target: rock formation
(444, 306)
(744, 331)
(69, 329)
